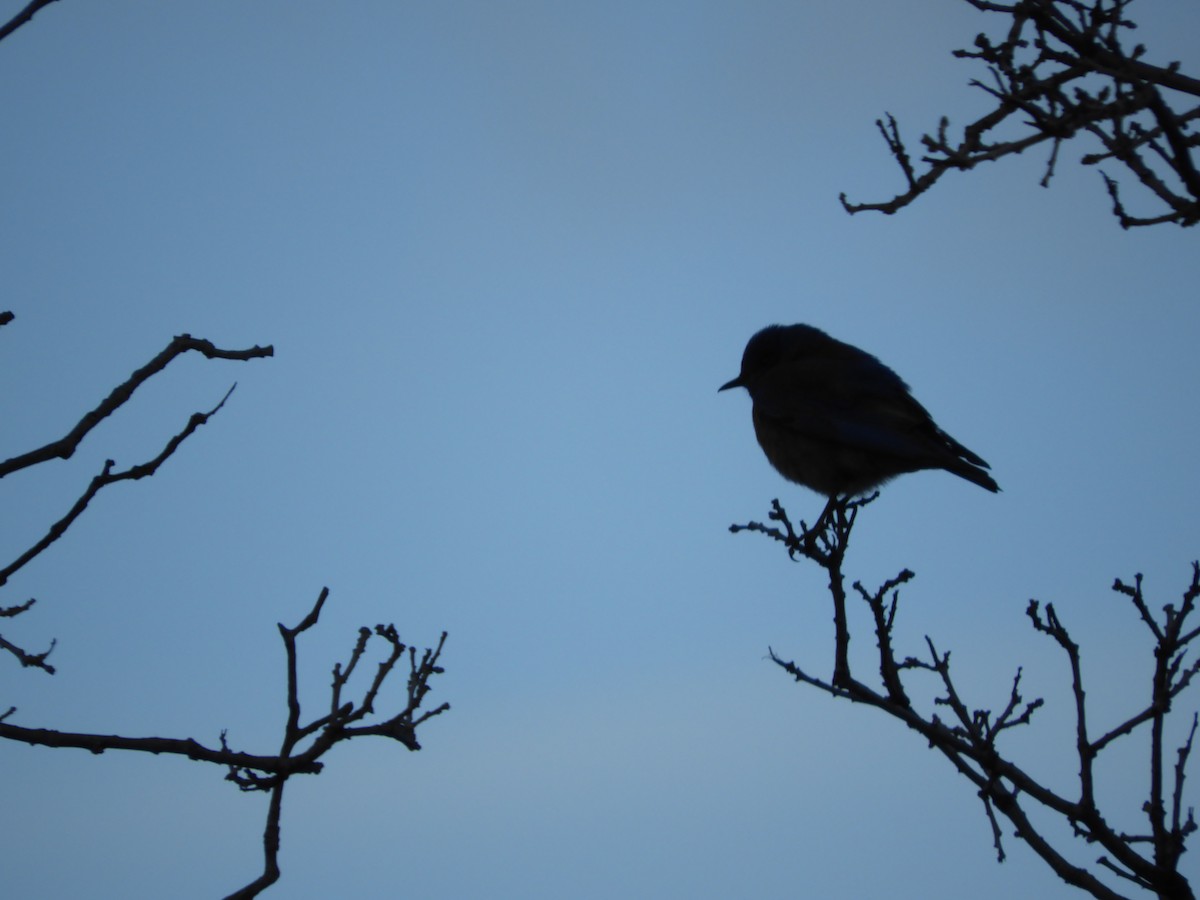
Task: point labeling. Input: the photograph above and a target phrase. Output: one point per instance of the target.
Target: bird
(835, 419)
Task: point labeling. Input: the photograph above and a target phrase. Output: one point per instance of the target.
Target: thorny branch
(1059, 70)
(970, 738)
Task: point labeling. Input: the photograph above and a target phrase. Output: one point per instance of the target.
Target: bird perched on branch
(835, 419)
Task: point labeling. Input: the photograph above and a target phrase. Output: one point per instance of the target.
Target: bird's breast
(823, 464)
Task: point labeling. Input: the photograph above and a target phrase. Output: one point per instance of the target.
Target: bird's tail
(969, 465)
(974, 474)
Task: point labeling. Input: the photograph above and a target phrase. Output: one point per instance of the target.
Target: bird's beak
(737, 382)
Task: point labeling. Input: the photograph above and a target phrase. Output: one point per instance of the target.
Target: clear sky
(506, 253)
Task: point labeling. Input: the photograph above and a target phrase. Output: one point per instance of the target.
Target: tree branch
(106, 477)
(969, 739)
(270, 773)
(192, 749)
(336, 726)
(65, 447)
(29, 660)
(20, 19)
(1045, 68)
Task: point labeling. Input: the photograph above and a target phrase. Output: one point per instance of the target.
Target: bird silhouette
(835, 419)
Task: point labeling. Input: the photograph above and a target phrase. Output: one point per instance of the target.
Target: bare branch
(969, 738)
(270, 773)
(885, 616)
(1134, 593)
(1083, 747)
(8, 612)
(1043, 72)
(27, 659)
(65, 447)
(997, 837)
(20, 19)
(303, 744)
(1180, 827)
(192, 749)
(336, 725)
(106, 477)
(1007, 719)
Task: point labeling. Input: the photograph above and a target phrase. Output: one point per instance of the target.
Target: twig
(106, 477)
(64, 447)
(969, 738)
(20, 19)
(192, 749)
(336, 725)
(27, 659)
(270, 773)
(1044, 70)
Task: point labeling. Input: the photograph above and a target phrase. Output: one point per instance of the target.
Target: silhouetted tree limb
(269, 773)
(1061, 69)
(27, 659)
(304, 743)
(336, 725)
(65, 447)
(20, 19)
(970, 737)
(99, 743)
(106, 477)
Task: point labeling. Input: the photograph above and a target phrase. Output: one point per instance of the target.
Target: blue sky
(506, 253)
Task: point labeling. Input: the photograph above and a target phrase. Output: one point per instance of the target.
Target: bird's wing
(852, 399)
